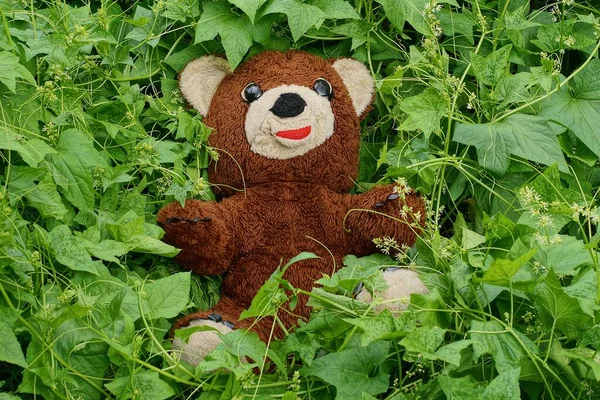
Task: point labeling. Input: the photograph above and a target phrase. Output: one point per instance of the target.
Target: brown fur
(288, 206)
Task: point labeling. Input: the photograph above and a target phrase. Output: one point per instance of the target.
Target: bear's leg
(401, 284)
(223, 317)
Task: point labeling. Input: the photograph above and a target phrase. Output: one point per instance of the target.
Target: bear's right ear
(199, 80)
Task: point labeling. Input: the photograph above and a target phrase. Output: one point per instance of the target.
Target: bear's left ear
(358, 81)
(200, 79)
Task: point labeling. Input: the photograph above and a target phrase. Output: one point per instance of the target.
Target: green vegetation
(491, 109)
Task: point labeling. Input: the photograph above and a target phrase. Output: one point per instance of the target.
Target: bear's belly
(292, 218)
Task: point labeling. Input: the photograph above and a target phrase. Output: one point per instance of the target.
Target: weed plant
(490, 109)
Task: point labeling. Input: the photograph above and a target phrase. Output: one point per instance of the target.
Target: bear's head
(281, 117)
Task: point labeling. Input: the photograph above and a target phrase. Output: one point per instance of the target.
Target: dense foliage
(489, 108)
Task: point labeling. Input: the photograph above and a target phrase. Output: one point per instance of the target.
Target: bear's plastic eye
(323, 88)
(251, 92)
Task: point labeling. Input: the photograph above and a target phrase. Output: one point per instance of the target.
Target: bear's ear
(358, 81)
(199, 80)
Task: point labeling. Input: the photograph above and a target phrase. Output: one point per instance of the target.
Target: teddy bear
(287, 129)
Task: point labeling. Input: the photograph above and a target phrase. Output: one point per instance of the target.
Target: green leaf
(557, 308)
(383, 326)
(491, 338)
(143, 385)
(577, 106)
(515, 23)
(336, 9)
(242, 343)
(505, 386)
(38, 187)
(235, 30)
(70, 250)
(140, 236)
(302, 343)
(271, 295)
(501, 271)
(424, 341)
(249, 7)
(167, 297)
(72, 167)
(32, 151)
(424, 111)
(463, 388)
(400, 11)
(522, 135)
(565, 257)
(301, 17)
(451, 352)
(354, 370)
(453, 23)
(512, 89)
(147, 27)
(488, 70)
(10, 70)
(10, 349)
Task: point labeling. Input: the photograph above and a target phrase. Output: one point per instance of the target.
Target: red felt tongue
(295, 134)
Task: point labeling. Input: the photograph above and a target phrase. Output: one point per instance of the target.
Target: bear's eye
(323, 88)
(251, 92)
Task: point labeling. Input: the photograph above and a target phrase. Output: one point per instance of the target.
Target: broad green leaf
(140, 236)
(577, 106)
(301, 17)
(302, 343)
(581, 359)
(566, 256)
(389, 83)
(383, 326)
(72, 167)
(505, 386)
(456, 23)
(463, 388)
(357, 30)
(515, 23)
(235, 31)
(491, 338)
(451, 352)
(249, 7)
(424, 341)
(557, 308)
(336, 9)
(70, 250)
(424, 111)
(38, 187)
(10, 70)
(400, 11)
(10, 349)
(522, 135)
(354, 370)
(142, 385)
(32, 151)
(489, 69)
(272, 295)
(502, 271)
(512, 89)
(242, 343)
(585, 289)
(148, 26)
(167, 297)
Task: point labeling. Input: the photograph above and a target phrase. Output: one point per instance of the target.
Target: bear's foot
(401, 284)
(201, 343)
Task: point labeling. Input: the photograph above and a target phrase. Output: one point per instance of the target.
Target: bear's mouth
(294, 134)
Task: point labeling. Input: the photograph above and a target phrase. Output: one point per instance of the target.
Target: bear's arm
(205, 233)
(379, 213)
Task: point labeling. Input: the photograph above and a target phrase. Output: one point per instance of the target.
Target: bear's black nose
(288, 105)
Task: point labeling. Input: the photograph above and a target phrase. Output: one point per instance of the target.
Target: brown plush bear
(287, 129)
